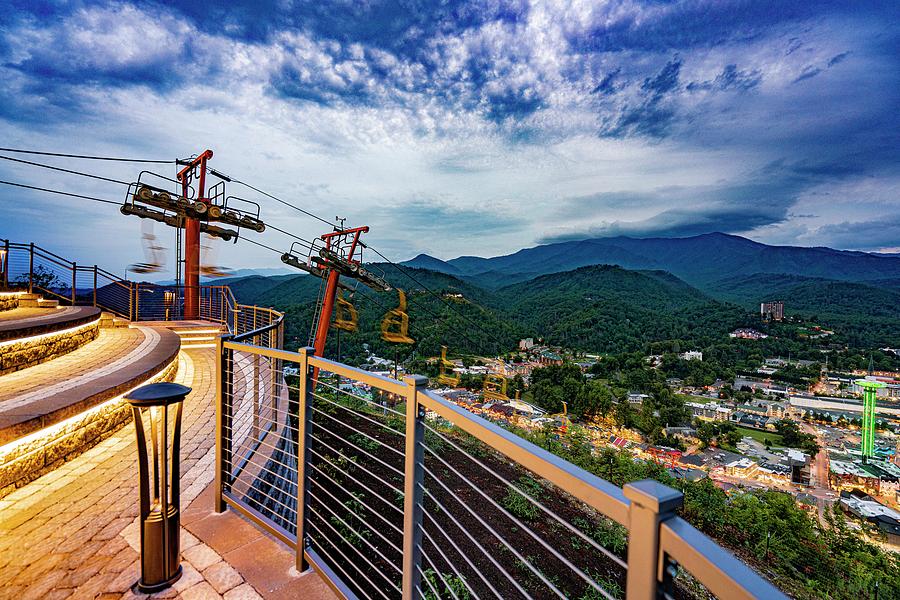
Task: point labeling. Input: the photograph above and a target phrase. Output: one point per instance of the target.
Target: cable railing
(30, 268)
(390, 491)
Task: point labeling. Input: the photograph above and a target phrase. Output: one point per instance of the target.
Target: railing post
(651, 504)
(304, 421)
(95, 285)
(224, 401)
(255, 428)
(414, 479)
(31, 268)
(74, 280)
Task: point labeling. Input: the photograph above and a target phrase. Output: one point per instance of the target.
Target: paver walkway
(27, 312)
(73, 533)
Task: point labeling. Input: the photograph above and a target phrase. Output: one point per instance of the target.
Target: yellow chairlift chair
(395, 325)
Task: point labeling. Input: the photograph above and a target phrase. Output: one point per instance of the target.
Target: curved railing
(35, 269)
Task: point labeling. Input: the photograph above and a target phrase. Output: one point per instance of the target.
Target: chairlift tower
(196, 167)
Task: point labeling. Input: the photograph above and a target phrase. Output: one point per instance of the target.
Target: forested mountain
(610, 309)
(600, 308)
(451, 312)
(594, 308)
(700, 260)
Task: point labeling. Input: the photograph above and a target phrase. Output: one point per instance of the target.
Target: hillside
(593, 308)
(700, 260)
(864, 315)
(611, 309)
(435, 319)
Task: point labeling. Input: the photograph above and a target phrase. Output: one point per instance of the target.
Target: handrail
(723, 574)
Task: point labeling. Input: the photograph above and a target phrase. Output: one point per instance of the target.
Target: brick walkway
(73, 533)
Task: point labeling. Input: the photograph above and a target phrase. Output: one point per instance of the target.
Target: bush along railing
(390, 491)
(31, 268)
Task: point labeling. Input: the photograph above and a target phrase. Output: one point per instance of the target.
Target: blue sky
(466, 127)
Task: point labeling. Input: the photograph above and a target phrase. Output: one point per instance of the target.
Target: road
(819, 470)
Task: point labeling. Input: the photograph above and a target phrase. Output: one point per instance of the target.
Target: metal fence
(390, 491)
(37, 270)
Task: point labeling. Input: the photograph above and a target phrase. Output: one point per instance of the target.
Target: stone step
(37, 302)
(29, 296)
(198, 337)
(109, 320)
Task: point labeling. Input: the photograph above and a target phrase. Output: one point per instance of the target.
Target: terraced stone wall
(24, 461)
(34, 350)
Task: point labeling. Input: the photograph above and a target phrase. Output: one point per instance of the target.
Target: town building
(710, 411)
(745, 333)
(867, 508)
(743, 467)
(551, 358)
(772, 311)
(691, 355)
(636, 399)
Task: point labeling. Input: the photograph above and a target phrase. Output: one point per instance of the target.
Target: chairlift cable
(109, 158)
(82, 174)
(277, 199)
(40, 189)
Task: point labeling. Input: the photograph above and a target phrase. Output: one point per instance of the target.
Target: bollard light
(159, 482)
(168, 301)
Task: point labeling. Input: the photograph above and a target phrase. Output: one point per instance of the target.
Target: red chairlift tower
(339, 250)
(196, 168)
(338, 255)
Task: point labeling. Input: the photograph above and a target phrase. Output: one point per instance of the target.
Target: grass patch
(761, 436)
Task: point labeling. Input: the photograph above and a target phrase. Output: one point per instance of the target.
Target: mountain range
(701, 260)
(630, 292)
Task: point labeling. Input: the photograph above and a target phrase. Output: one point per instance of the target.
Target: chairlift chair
(395, 325)
(443, 378)
(494, 387)
(345, 316)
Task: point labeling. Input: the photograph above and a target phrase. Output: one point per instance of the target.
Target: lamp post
(168, 301)
(160, 513)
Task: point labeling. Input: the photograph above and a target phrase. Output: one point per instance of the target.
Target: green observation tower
(870, 390)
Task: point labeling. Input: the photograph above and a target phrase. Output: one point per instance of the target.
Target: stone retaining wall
(49, 448)
(8, 302)
(29, 352)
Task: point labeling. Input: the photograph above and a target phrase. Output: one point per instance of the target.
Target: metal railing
(37, 270)
(390, 491)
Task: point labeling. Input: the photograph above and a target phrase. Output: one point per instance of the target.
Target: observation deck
(304, 477)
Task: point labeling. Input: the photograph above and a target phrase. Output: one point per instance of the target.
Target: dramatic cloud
(470, 127)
